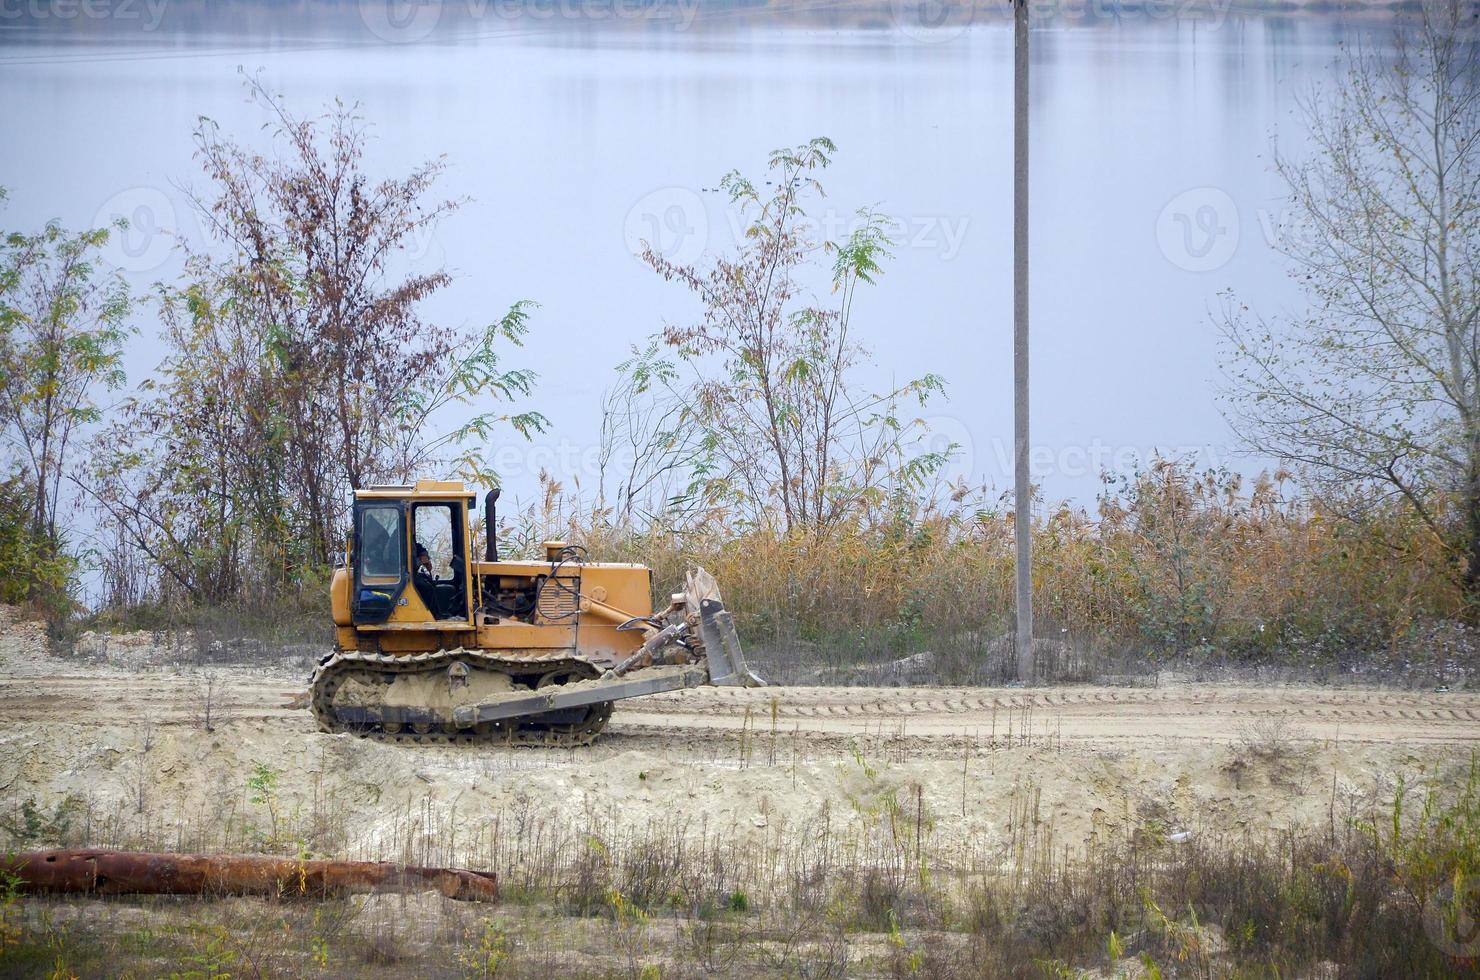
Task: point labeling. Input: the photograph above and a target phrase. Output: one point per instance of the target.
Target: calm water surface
(1152, 190)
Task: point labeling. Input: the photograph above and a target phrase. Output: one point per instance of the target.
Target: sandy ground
(1093, 763)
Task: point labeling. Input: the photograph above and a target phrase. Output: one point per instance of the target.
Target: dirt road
(126, 741)
(1109, 715)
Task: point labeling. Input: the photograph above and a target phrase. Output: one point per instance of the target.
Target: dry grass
(1199, 571)
(857, 890)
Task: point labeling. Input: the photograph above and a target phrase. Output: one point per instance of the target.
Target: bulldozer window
(382, 544)
(433, 523)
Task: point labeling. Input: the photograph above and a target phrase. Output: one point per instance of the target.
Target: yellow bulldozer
(431, 645)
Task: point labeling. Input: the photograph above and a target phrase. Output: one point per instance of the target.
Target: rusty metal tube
(106, 872)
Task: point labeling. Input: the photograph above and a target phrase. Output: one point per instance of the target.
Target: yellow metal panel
(531, 568)
(512, 569)
(411, 495)
(339, 596)
(440, 626)
(410, 608)
(509, 634)
(417, 641)
(601, 642)
(628, 587)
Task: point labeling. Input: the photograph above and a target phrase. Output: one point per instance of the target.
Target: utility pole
(1023, 478)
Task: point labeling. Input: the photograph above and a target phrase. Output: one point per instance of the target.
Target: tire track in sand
(1113, 715)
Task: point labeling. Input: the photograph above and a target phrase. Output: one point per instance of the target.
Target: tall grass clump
(1174, 566)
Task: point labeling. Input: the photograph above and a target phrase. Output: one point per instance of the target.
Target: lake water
(576, 137)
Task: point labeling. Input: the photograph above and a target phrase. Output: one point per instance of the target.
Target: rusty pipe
(96, 871)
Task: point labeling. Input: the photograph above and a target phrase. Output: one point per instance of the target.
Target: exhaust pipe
(490, 522)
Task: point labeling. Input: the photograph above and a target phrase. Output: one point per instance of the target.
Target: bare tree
(1377, 387)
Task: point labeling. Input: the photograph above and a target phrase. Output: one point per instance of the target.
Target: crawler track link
(342, 666)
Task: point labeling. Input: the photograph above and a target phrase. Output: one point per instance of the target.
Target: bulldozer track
(341, 666)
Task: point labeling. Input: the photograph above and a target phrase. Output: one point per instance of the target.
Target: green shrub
(35, 571)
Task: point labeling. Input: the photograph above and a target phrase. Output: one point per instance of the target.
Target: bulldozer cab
(412, 582)
(409, 556)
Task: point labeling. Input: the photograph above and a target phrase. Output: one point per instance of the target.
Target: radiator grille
(560, 598)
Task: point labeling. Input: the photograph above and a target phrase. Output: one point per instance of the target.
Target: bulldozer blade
(727, 667)
(95, 871)
(654, 680)
(724, 666)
